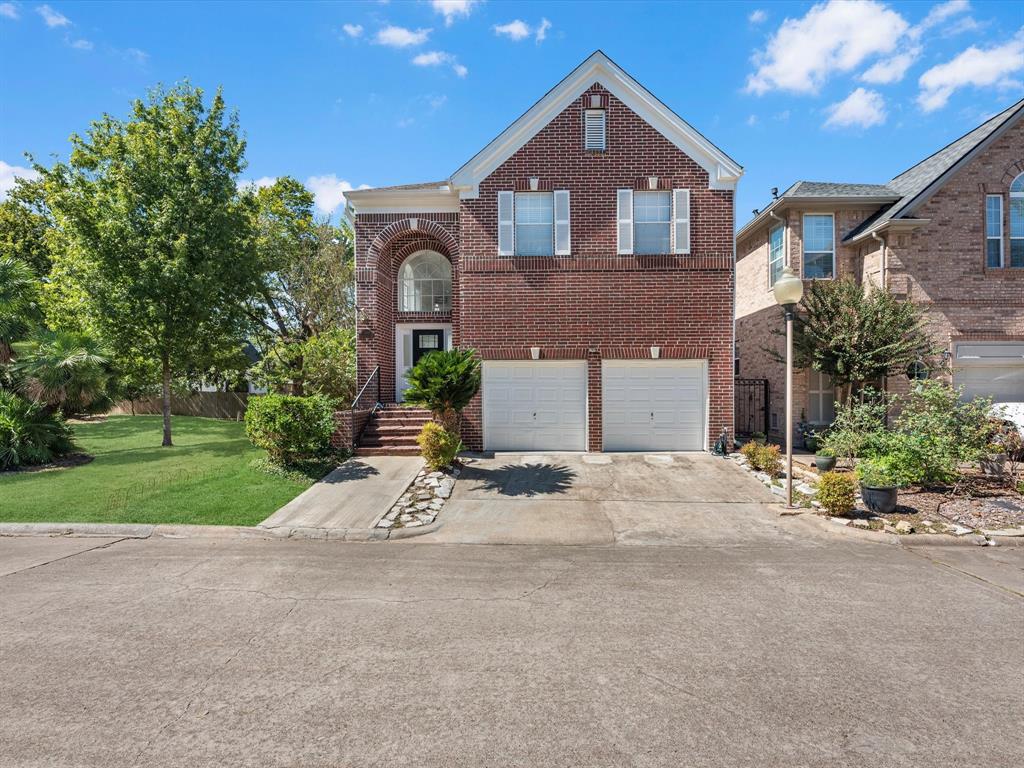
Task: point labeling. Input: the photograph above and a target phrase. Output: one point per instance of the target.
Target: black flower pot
(825, 463)
(881, 501)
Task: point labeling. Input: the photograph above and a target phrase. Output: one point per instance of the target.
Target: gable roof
(920, 182)
(723, 171)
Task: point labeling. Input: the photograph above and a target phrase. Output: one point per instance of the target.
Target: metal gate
(753, 405)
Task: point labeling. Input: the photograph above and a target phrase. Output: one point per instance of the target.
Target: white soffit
(723, 171)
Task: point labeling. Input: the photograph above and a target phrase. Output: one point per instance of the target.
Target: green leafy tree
(306, 291)
(858, 337)
(445, 382)
(26, 226)
(18, 303)
(159, 244)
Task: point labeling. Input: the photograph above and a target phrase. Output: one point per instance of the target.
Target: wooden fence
(214, 405)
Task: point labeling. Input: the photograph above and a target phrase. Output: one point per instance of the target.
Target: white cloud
(329, 191)
(938, 14)
(81, 44)
(51, 17)
(8, 173)
(542, 30)
(260, 183)
(861, 109)
(891, 70)
(400, 37)
(515, 30)
(352, 30)
(752, 120)
(439, 58)
(973, 67)
(832, 37)
(9, 10)
(757, 17)
(451, 9)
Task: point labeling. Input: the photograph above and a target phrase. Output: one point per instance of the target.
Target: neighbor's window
(819, 246)
(776, 258)
(425, 283)
(821, 400)
(993, 231)
(652, 222)
(534, 212)
(1017, 222)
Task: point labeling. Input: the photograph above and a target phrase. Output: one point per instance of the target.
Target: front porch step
(403, 450)
(387, 429)
(392, 430)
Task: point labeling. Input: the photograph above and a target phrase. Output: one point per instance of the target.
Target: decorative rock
(392, 514)
(443, 492)
(386, 523)
(435, 474)
(861, 523)
(903, 527)
(413, 524)
(805, 489)
(840, 520)
(958, 530)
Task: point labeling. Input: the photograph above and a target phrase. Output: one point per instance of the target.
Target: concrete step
(369, 450)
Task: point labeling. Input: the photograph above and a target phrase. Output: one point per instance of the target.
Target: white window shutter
(625, 218)
(562, 247)
(680, 221)
(506, 224)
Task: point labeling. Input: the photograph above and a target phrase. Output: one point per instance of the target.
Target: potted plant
(878, 486)
(808, 435)
(825, 459)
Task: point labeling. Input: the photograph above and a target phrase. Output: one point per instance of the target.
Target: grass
(207, 478)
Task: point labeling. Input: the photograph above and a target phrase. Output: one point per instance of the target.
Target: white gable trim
(723, 171)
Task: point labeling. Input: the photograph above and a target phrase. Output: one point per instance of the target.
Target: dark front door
(424, 341)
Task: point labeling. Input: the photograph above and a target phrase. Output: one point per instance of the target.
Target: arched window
(1017, 222)
(425, 283)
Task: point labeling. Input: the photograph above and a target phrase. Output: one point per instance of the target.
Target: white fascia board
(723, 171)
(441, 200)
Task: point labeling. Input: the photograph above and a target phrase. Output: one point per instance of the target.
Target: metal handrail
(374, 376)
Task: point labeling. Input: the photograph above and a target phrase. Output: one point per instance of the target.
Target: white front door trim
(403, 350)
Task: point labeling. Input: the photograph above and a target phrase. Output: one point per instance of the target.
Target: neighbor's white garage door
(990, 369)
(535, 405)
(654, 405)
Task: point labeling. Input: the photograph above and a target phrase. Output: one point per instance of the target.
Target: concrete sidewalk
(353, 496)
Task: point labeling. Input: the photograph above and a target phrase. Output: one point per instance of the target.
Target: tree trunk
(166, 399)
(450, 419)
(298, 388)
(6, 352)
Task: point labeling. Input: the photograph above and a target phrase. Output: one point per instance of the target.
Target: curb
(398, 534)
(129, 531)
(105, 530)
(810, 519)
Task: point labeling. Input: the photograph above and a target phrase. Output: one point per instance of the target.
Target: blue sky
(374, 93)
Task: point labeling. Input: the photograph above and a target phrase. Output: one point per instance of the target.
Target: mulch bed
(67, 462)
(980, 502)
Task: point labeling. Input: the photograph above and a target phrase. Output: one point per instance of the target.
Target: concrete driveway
(675, 499)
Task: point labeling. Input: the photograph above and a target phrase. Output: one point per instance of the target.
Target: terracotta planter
(881, 501)
(824, 463)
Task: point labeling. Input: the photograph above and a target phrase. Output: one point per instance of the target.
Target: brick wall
(595, 304)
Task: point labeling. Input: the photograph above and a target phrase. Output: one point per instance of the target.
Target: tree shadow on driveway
(525, 480)
(353, 469)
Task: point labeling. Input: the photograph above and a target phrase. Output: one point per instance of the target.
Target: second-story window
(819, 246)
(652, 222)
(776, 255)
(993, 231)
(1017, 222)
(535, 224)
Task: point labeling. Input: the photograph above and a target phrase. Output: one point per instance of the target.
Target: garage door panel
(992, 369)
(535, 405)
(653, 405)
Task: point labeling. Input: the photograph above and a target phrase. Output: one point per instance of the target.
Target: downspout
(881, 241)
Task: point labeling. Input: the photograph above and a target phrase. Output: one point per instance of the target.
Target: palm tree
(18, 291)
(445, 382)
(68, 370)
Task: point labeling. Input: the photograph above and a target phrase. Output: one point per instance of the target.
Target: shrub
(856, 426)
(877, 473)
(290, 429)
(439, 446)
(836, 493)
(763, 458)
(445, 382)
(29, 434)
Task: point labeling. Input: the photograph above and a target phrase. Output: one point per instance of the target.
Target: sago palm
(18, 292)
(445, 382)
(66, 370)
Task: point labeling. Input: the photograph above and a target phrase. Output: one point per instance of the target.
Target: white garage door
(654, 405)
(535, 405)
(990, 369)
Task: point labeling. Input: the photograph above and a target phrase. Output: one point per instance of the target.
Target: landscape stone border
(422, 501)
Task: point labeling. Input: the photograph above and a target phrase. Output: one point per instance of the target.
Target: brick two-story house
(948, 233)
(586, 254)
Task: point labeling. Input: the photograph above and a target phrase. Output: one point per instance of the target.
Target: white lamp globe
(789, 288)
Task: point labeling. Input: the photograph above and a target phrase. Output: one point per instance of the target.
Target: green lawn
(204, 479)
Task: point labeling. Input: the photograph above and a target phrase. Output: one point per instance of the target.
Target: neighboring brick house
(586, 254)
(948, 233)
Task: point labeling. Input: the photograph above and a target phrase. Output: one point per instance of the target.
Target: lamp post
(788, 290)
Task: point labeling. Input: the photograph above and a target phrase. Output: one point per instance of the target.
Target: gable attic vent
(594, 130)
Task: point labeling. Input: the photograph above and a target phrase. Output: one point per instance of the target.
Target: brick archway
(430, 230)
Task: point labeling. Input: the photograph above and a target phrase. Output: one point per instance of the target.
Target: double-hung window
(819, 246)
(533, 223)
(776, 254)
(993, 231)
(1017, 222)
(652, 222)
(821, 399)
